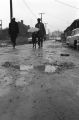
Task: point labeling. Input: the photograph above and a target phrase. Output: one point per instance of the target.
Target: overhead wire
(63, 3)
(66, 4)
(25, 3)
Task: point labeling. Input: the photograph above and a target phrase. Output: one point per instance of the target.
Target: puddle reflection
(21, 82)
(42, 68)
(46, 68)
(26, 67)
(50, 68)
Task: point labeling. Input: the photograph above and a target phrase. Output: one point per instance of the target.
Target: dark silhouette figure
(41, 33)
(34, 39)
(13, 31)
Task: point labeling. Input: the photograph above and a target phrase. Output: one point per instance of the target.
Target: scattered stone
(16, 67)
(40, 67)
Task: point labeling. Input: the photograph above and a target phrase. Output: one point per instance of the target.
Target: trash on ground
(64, 54)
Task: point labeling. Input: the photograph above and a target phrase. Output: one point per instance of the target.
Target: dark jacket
(41, 31)
(13, 29)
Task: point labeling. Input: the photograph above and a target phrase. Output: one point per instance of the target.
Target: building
(23, 29)
(74, 25)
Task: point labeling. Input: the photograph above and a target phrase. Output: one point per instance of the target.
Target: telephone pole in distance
(45, 25)
(41, 15)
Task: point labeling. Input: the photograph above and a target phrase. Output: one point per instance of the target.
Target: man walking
(13, 31)
(41, 33)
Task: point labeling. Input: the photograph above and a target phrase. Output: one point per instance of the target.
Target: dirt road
(39, 84)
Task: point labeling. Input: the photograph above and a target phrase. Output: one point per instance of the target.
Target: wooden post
(11, 10)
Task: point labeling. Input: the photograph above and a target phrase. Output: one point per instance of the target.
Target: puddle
(26, 67)
(40, 68)
(55, 67)
(19, 67)
(50, 69)
(67, 65)
(21, 82)
(64, 66)
(10, 64)
(55, 45)
(6, 64)
(46, 68)
(3, 45)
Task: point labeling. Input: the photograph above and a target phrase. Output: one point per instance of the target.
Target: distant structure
(23, 31)
(45, 24)
(23, 28)
(0, 24)
(74, 25)
(56, 34)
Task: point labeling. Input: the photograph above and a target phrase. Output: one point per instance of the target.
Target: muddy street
(39, 84)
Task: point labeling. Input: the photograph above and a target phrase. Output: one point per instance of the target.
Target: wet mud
(39, 84)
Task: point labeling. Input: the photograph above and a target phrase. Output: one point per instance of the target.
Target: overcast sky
(58, 13)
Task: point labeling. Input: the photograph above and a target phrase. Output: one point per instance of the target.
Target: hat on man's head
(13, 19)
(39, 19)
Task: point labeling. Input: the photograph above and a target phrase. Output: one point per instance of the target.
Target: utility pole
(11, 10)
(45, 25)
(41, 15)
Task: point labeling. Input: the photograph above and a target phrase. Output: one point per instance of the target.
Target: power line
(63, 19)
(66, 4)
(29, 8)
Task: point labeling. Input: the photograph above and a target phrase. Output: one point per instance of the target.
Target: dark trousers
(13, 40)
(34, 42)
(40, 41)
